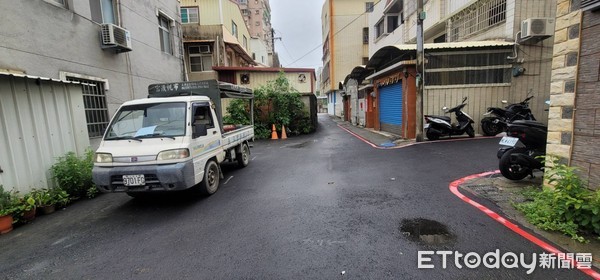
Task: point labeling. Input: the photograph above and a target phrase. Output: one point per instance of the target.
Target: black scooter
(437, 126)
(524, 144)
(502, 117)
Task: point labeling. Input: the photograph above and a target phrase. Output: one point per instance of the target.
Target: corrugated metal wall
(479, 98)
(39, 121)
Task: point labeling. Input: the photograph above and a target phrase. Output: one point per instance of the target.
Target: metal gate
(390, 108)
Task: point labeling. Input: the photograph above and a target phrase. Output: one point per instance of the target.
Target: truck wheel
(243, 158)
(210, 182)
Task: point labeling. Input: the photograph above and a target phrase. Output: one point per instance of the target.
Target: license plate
(509, 141)
(134, 180)
(426, 125)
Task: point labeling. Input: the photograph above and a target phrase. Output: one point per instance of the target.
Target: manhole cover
(426, 231)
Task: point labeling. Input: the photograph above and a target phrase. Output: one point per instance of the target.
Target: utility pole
(420, 69)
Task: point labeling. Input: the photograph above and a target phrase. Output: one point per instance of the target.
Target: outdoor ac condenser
(115, 37)
(537, 28)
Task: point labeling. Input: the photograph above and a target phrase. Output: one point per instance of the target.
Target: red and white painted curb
(515, 228)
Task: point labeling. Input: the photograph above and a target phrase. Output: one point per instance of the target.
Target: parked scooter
(437, 126)
(524, 146)
(502, 117)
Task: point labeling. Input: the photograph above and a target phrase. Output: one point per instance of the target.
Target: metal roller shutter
(390, 108)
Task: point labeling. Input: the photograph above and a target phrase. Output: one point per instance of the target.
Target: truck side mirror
(199, 130)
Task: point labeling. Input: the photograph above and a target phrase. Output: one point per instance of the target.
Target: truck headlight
(103, 158)
(173, 154)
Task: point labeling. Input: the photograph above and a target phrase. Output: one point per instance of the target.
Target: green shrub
(569, 207)
(52, 196)
(74, 174)
(237, 113)
(277, 103)
(7, 202)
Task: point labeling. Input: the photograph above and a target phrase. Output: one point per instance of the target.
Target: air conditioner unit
(115, 37)
(537, 28)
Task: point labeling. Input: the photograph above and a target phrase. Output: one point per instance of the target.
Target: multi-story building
(486, 50)
(66, 66)
(344, 23)
(257, 15)
(140, 45)
(214, 34)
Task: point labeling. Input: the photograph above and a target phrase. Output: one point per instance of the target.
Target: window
(200, 58)
(103, 11)
(245, 2)
(189, 15)
(478, 17)
(392, 23)
(234, 30)
(379, 31)
(203, 116)
(61, 3)
(369, 7)
(164, 31)
(468, 68)
(245, 42)
(365, 35)
(94, 102)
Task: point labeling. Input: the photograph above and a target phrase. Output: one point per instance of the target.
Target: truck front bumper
(168, 177)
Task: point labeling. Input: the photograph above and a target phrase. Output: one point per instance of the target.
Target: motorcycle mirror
(445, 108)
(504, 101)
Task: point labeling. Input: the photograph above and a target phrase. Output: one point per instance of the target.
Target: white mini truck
(173, 140)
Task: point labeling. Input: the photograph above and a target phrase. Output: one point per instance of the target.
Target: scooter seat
(445, 118)
(531, 124)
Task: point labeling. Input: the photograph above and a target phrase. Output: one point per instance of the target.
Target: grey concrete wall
(42, 39)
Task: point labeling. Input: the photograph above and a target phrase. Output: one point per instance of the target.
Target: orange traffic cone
(274, 134)
(283, 134)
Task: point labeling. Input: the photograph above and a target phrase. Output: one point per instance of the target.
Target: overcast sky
(298, 24)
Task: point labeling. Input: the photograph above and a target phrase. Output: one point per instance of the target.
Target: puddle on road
(426, 231)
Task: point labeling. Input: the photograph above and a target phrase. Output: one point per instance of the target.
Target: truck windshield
(154, 120)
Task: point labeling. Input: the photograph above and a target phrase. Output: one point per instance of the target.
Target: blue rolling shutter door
(390, 108)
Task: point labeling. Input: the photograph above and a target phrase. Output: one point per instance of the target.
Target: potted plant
(59, 197)
(44, 201)
(6, 210)
(25, 207)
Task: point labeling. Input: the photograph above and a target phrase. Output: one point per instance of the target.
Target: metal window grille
(96, 110)
(478, 17)
(488, 67)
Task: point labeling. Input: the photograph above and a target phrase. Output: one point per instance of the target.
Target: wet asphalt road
(306, 208)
